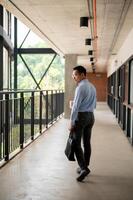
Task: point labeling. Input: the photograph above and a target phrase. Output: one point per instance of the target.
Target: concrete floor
(42, 172)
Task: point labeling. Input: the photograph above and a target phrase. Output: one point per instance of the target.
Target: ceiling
(58, 23)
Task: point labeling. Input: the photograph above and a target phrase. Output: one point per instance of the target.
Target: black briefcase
(69, 150)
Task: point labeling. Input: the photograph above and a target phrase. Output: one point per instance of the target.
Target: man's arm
(75, 108)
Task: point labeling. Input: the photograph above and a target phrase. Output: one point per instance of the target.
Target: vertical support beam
(15, 53)
(59, 103)
(40, 113)
(7, 125)
(15, 68)
(32, 116)
(56, 107)
(62, 102)
(59, 95)
(70, 62)
(1, 84)
(51, 106)
(21, 120)
(46, 109)
(1, 50)
(61, 108)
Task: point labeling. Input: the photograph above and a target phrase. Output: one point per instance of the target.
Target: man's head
(79, 73)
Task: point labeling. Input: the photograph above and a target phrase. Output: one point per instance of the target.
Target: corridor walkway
(42, 172)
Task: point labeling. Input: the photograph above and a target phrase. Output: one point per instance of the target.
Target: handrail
(25, 91)
(23, 118)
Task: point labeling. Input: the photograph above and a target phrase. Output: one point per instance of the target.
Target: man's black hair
(80, 69)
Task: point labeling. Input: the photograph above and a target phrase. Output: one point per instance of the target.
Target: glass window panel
(32, 40)
(54, 78)
(5, 69)
(12, 75)
(38, 64)
(12, 29)
(25, 81)
(5, 20)
(22, 31)
(9, 24)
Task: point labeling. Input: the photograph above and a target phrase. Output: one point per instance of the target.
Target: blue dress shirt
(84, 99)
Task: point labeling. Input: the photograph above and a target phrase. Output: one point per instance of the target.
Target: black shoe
(79, 170)
(83, 174)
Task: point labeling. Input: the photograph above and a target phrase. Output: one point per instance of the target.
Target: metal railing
(24, 115)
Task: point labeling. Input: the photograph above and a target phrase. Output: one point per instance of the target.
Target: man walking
(82, 119)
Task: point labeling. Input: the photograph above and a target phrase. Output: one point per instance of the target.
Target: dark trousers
(82, 130)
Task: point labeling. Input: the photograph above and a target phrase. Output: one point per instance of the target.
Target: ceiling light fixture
(84, 21)
(91, 59)
(88, 41)
(90, 52)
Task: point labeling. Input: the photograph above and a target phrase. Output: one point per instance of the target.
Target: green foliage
(38, 63)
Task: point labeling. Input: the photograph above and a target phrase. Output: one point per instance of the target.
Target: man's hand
(71, 128)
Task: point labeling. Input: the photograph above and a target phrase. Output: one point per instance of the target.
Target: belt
(85, 112)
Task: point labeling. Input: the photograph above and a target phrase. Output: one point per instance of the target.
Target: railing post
(21, 120)
(46, 109)
(7, 124)
(51, 106)
(32, 116)
(62, 102)
(40, 113)
(56, 110)
(15, 108)
(59, 104)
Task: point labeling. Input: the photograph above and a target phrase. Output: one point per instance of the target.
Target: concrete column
(70, 62)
